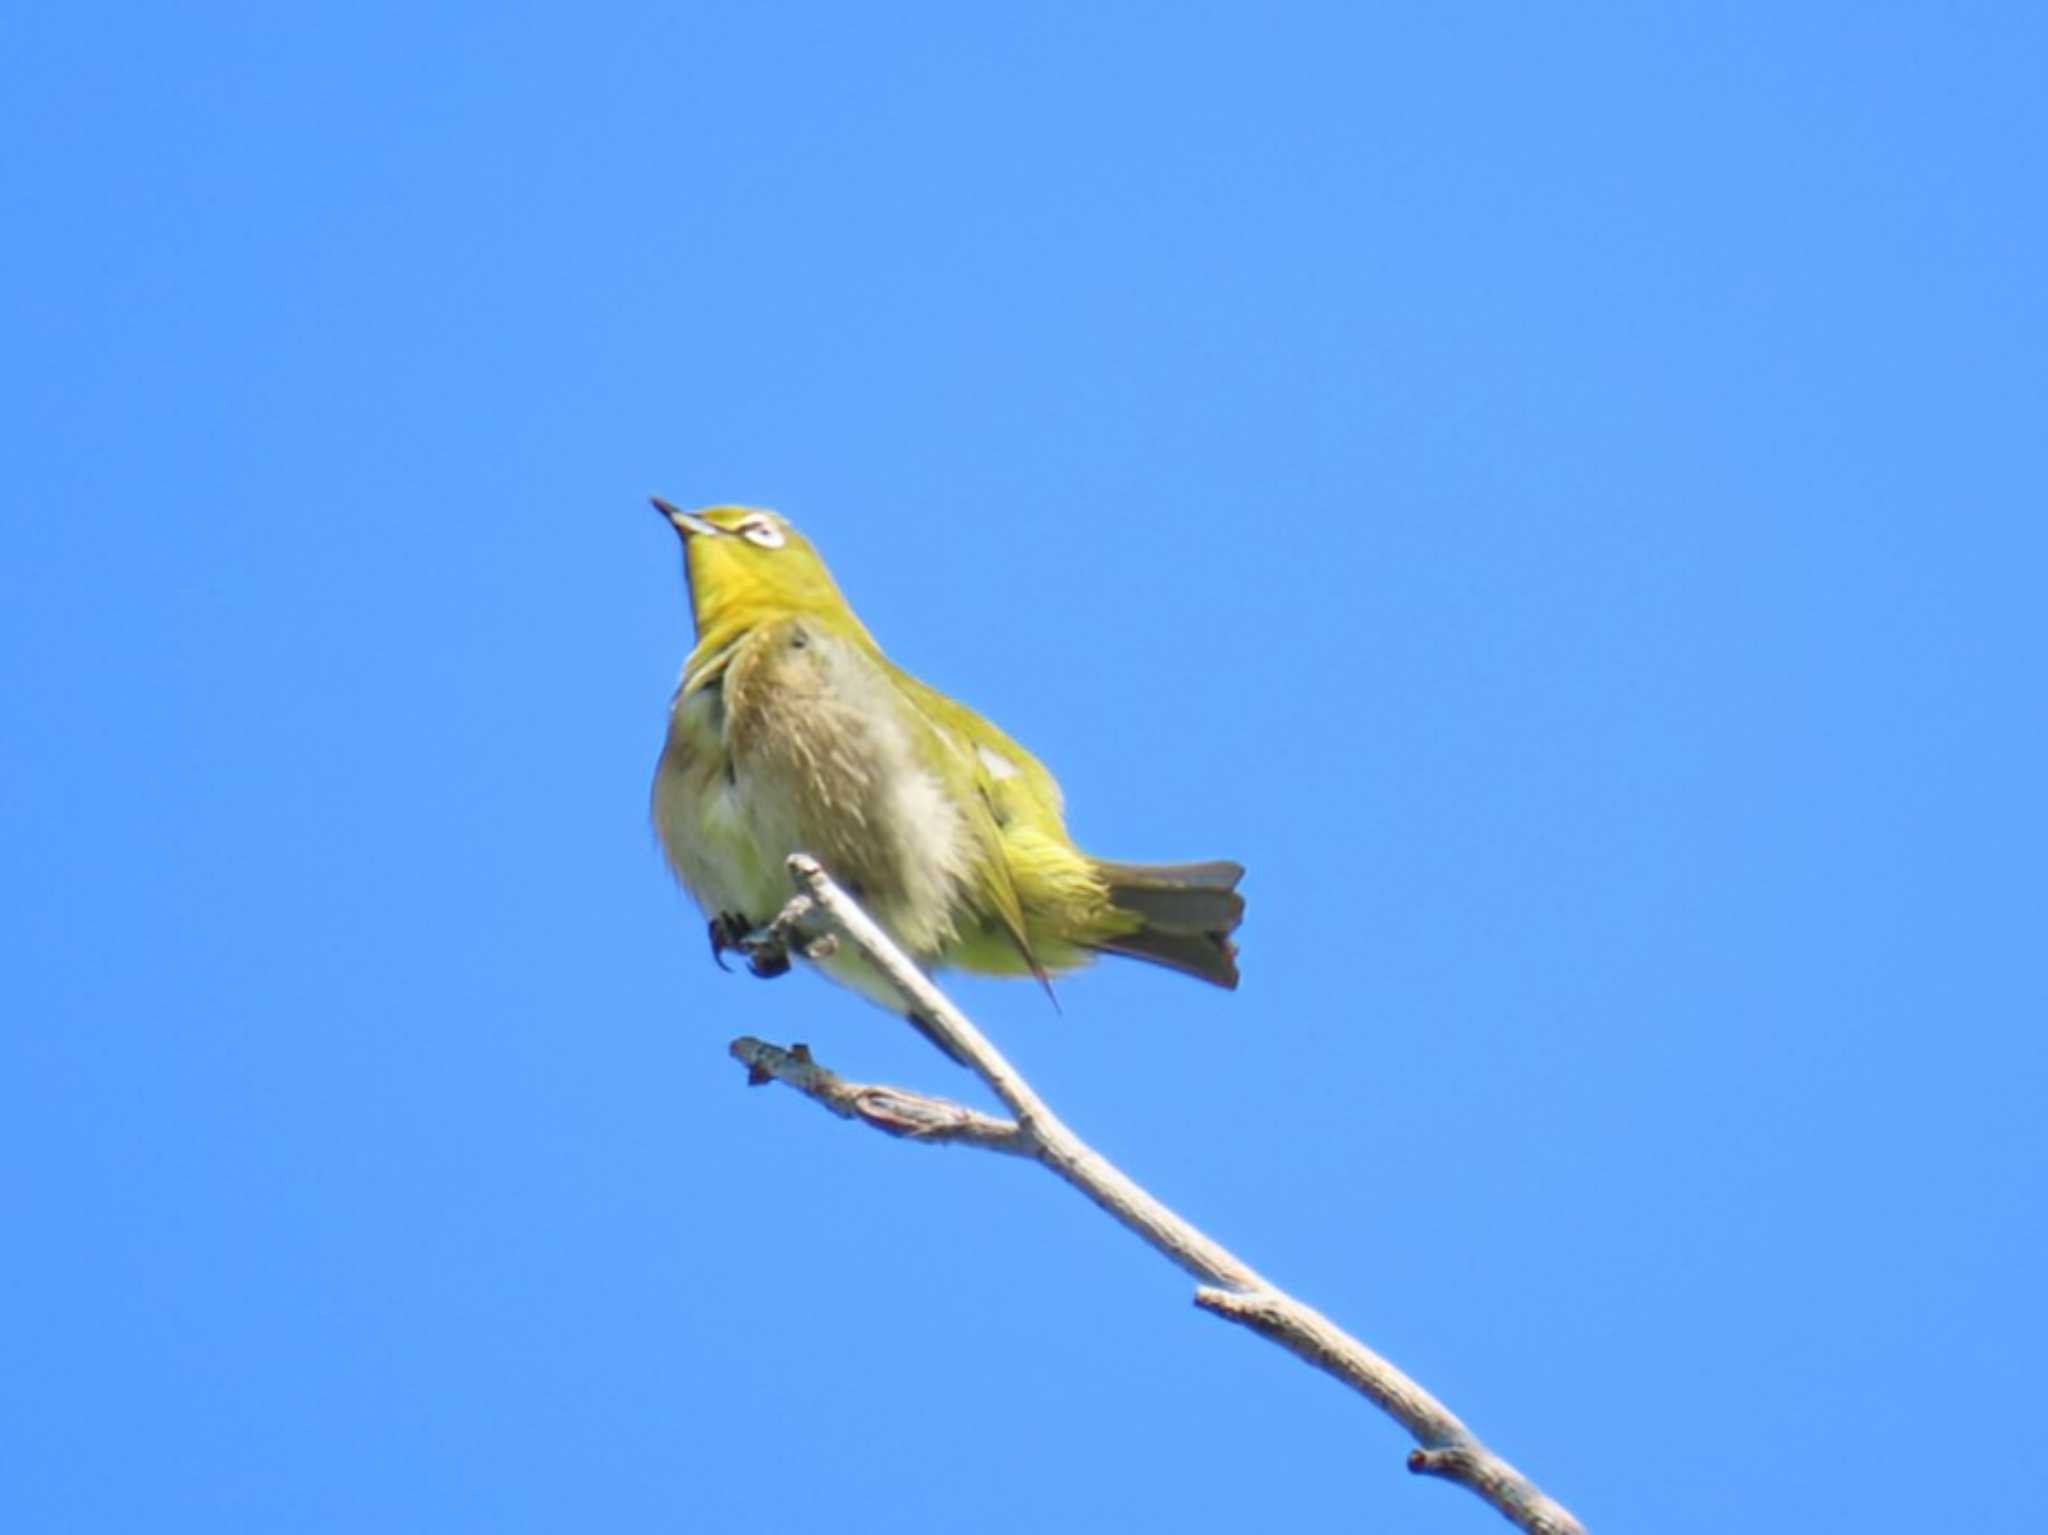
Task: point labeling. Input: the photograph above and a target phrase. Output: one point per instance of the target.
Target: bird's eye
(760, 532)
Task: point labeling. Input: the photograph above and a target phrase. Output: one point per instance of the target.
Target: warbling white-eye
(792, 732)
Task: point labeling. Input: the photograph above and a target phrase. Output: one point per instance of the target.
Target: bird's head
(746, 565)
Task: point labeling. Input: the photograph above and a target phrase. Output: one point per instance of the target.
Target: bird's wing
(984, 809)
(1017, 784)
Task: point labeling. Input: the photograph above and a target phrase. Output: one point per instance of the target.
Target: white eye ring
(760, 532)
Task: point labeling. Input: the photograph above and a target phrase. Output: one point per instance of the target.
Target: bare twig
(914, 1116)
(1232, 1288)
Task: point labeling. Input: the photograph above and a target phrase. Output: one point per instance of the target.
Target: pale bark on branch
(1230, 1287)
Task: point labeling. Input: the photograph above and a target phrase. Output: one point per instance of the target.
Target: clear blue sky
(1559, 495)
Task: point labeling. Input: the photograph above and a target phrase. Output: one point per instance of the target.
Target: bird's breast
(828, 758)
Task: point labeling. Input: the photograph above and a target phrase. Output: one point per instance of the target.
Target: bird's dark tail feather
(1189, 911)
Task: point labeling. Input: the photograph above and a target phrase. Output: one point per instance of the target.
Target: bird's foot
(767, 953)
(726, 931)
(766, 948)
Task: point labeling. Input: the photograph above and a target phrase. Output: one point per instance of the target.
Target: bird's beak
(683, 522)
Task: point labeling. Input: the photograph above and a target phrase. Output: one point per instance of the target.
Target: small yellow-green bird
(792, 732)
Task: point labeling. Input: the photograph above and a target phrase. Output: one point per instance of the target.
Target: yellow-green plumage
(792, 732)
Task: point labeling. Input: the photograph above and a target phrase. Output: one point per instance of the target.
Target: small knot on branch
(1455, 1461)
